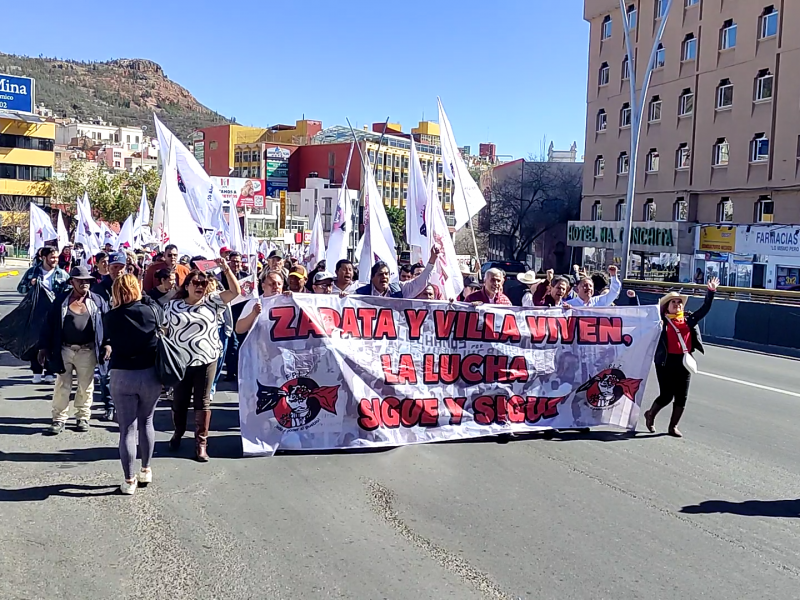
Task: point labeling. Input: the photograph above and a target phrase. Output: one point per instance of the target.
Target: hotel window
(683, 159)
(769, 23)
(680, 210)
(661, 57)
(626, 68)
(654, 112)
(727, 35)
(623, 164)
(649, 212)
(599, 166)
(632, 17)
(764, 210)
(686, 103)
(607, 28)
(625, 116)
(725, 210)
(764, 82)
(597, 211)
(689, 50)
(759, 148)
(653, 161)
(619, 210)
(603, 76)
(722, 151)
(661, 8)
(724, 94)
(602, 120)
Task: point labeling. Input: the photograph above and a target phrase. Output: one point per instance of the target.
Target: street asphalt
(594, 516)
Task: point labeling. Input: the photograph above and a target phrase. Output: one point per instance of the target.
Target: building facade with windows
(27, 155)
(720, 141)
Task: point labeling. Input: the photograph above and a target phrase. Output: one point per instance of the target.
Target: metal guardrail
(723, 292)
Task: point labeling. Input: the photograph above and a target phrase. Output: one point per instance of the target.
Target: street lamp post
(637, 109)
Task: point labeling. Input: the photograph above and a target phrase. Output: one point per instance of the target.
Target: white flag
(316, 248)
(467, 197)
(61, 231)
(141, 233)
(447, 273)
(40, 229)
(342, 222)
(416, 201)
(377, 243)
(249, 289)
(235, 228)
(177, 226)
(88, 232)
(109, 237)
(201, 195)
(127, 238)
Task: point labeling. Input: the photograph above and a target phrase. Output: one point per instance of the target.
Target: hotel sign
(645, 236)
(16, 93)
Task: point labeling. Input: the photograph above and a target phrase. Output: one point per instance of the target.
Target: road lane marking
(9, 273)
(750, 384)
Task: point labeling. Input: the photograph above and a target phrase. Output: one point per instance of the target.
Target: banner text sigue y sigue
(293, 323)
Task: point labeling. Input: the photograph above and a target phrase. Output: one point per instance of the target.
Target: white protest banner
(40, 229)
(322, 372)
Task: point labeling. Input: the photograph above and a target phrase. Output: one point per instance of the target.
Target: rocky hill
(124, 92)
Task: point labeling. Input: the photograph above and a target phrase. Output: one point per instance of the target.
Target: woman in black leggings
(679, 336)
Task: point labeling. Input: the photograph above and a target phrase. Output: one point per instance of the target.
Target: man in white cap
(323, 282)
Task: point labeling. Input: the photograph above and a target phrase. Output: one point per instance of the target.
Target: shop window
(788, 278)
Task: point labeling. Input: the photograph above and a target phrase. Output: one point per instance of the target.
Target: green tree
(114, 195)
(397, 221)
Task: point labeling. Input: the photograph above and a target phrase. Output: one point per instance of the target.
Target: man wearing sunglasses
(170, 263)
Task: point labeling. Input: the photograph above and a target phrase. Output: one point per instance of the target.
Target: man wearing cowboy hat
(534, 285)
(72, 339)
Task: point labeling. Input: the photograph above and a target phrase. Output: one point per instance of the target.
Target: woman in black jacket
(679, 337)
(131, 329)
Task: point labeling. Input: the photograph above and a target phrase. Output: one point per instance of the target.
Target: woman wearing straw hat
(680, 337)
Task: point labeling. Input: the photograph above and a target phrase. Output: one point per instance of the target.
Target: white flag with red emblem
(41, 229)
(446, 274)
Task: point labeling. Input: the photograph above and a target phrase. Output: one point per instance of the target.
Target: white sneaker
(145, 477)
(49, 379)
(37, 378)
(128, 489)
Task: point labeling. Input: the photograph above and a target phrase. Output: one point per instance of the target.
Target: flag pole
(469, 220)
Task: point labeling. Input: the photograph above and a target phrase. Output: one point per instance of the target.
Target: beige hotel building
(719, 156)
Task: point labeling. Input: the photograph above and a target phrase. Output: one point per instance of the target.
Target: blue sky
(508, 71)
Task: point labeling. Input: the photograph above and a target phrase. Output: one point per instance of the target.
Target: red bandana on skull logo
(606, 388)
(297, 402)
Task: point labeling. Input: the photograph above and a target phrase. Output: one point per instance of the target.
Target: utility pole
(637, 109)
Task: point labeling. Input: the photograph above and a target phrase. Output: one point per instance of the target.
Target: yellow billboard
(716, 238)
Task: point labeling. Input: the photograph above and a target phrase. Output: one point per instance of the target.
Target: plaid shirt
(481, 296)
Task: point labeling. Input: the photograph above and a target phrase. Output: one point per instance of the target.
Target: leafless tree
(530, 198)
(14, 218)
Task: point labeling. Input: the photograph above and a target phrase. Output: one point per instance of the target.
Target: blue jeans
(221, 358)
(105, 393)
(232, 358)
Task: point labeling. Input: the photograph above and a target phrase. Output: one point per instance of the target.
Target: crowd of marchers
(109, 309)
